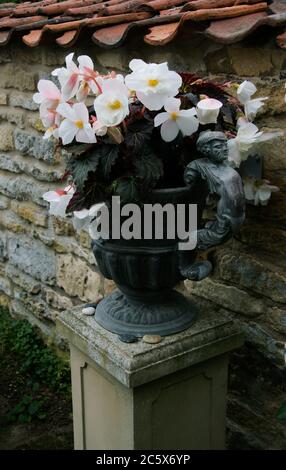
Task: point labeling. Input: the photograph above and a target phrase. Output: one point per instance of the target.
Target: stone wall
(46, 267)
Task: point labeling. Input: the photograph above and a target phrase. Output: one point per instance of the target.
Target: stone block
(35, 304)
(24, 188)
(265, 342)
(56, 300)
(35, 146)
(30, 212)
(3, 246)
(32, 257)
(229, 297)
(14, 76)
(3, 98)
(22, 100)
(34, 121)
(8, 163)
(14, 116)
(23, 280)
(13, 223)
(252, 272)
(5, 301)
(4, 202)
(63, 226)
(5, 286)
(261, 236)
(39, 170)
(5, 56)
(6, 137)
(19, 310)
(276, 318)
(77, 278)
(254, 62)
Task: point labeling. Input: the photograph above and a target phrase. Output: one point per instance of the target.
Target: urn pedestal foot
(168, 314)
(165, 396)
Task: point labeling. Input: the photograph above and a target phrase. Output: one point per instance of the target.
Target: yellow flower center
(115, 105)
(153, 82)
(79, 124)
(173, 116)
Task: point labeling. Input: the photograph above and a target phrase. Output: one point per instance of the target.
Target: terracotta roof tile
(68, 38)
(34, 37)
(108, 23)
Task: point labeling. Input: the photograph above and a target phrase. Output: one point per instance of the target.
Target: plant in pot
(159, 140)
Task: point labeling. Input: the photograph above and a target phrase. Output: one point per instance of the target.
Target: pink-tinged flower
(89, 79)
(111, 106)
(251, 106)
(48, 93)
(208, 110)
(76, 124)
(69, 78)
(258, 191)
(59, 200)
(153, 83)
(175, 120)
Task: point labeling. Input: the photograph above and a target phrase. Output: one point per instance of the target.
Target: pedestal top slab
(133, 364)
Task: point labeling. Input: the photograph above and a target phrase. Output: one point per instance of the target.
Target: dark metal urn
(146, 271)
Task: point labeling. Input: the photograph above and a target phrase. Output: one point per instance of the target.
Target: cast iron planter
(145, 272)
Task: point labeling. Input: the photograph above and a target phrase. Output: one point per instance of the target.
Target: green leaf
(108, 158)
(127, 189)
(149, 168)
(82, 166)
(139, 134)
(34, 407)
(281, 413)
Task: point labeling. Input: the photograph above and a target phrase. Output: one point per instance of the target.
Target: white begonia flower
(258, 191)
(208, 110)
(175, 120)
(76, 124)
(49, 97)
(48, 93)
(111, 106)
(241, 146)
(89, 81)
(247, 141)
(99, 128)
(69, 77)
(251, 106)
(59, 200)
(82, 219)
(153, 83)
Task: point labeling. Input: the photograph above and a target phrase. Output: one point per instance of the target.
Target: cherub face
(218, 150)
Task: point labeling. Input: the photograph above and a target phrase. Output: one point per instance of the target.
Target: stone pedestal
(170, 395)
